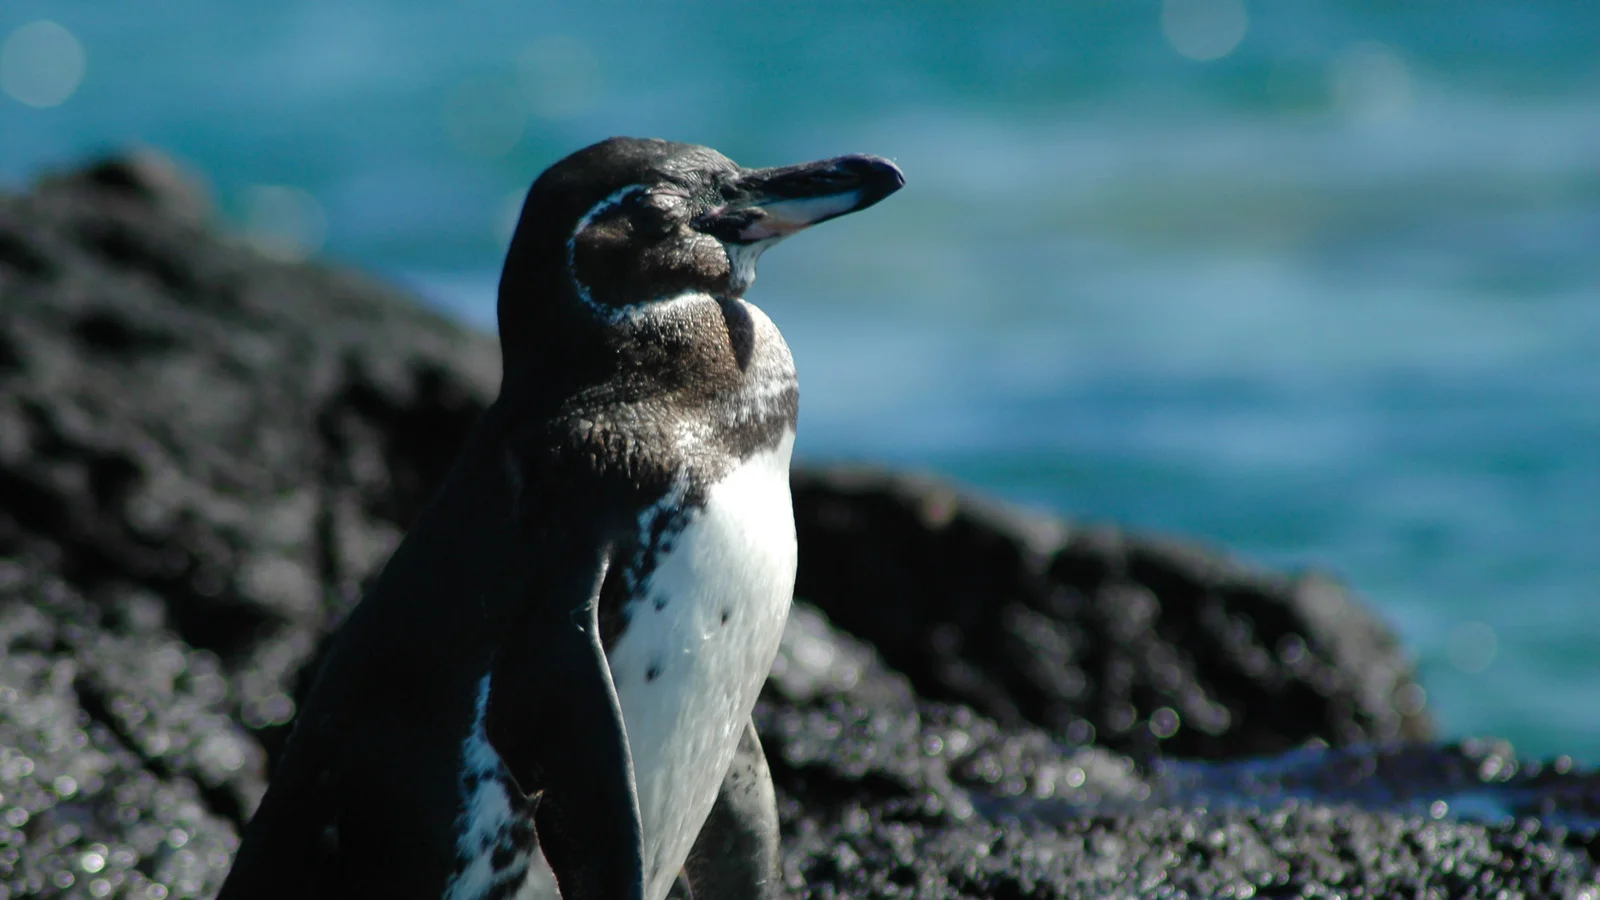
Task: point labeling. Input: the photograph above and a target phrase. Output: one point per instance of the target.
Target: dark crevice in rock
(17, 255)
(121, 247)
(224, 623)
(11, 361)
(117, 334)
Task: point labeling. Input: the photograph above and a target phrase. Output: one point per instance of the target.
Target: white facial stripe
(785, 217)
(616, 197)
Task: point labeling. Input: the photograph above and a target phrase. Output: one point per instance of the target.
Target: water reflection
(1479, 781)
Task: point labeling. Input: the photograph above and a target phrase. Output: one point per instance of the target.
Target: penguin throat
(742, 260)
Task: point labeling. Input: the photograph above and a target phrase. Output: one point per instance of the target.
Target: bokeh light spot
(1370, 83)
(1410, 699)
(1472, 647)
(41, 64)
(1204, 30)
(1164, 723)
(283, 222)
(559, 77)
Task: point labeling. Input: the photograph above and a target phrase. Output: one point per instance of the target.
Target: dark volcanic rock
(203, 453)
(1092, 633)
(887, 795)
(120, 767)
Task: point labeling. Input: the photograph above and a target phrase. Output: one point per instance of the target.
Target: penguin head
(629, 222)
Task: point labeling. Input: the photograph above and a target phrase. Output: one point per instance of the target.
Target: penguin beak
(764, 205)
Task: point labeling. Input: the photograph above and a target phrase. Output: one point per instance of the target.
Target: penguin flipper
(735, 856)
(554, 719)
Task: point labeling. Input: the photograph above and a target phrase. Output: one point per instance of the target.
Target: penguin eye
(665, 203)
(658, 212)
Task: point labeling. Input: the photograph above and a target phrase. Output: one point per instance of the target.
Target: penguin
(547, 690)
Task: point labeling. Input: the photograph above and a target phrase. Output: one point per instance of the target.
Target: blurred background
(1317, 282)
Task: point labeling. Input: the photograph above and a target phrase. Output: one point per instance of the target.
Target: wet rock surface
(203, 453)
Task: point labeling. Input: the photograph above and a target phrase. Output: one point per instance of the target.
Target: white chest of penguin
(699, 643)
(697, 650)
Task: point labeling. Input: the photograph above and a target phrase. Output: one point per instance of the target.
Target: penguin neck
(693, 381)
(561, 346)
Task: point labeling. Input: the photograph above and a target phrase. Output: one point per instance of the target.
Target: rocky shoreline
(203, 453)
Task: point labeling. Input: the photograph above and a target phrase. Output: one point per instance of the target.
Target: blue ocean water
(1318, 282)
